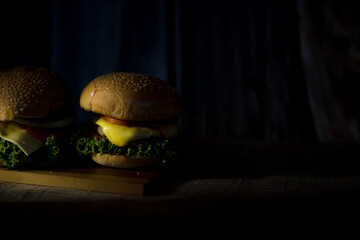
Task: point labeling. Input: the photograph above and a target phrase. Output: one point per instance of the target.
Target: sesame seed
(21, 86)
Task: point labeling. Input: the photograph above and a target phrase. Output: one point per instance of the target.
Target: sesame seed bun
(121, 161)
(132, 97)
(30, 92)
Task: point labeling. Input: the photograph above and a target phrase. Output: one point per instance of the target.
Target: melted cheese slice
(14, 133)
(121, 135)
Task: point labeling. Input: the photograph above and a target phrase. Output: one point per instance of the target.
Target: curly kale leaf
(12, 156)
(165, 150)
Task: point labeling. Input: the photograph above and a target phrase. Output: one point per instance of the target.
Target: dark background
(283, 72)
(254, 70)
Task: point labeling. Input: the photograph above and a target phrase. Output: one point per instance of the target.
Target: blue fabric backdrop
(242, 67)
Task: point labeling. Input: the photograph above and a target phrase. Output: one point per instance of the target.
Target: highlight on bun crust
(132, 97)
(31, 92)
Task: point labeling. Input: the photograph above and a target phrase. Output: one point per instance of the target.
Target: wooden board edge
(53, 180)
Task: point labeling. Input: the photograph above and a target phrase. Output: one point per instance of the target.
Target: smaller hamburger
(135, 121)
(34, 111)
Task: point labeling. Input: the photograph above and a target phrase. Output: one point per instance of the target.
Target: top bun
(131, 96)
(31, 92)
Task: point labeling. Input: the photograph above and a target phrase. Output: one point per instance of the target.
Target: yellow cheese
(121, 135)
(14, 133)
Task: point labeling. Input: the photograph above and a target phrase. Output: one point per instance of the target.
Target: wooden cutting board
(94, 178)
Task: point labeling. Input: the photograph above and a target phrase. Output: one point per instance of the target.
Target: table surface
(216, 181)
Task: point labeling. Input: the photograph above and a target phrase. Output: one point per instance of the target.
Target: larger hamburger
(135, 120)
(34, 110)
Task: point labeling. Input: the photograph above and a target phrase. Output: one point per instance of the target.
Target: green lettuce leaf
(165, 150)
(12, 156)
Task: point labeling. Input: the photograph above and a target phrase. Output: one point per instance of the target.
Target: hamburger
(135, 121)
(34, 110)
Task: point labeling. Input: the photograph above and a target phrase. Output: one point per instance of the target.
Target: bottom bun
(121, 161)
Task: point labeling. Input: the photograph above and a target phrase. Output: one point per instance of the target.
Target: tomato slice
(133, 123)
(120, 122)
(40, 133)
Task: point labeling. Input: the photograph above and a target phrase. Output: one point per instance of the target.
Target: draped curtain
(245, 69)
